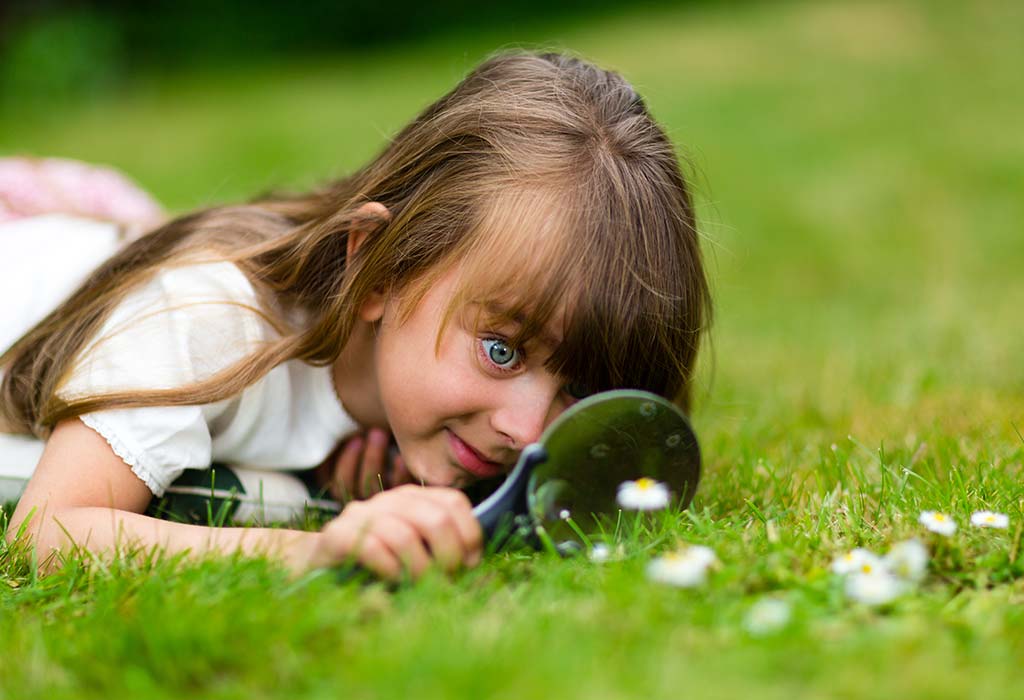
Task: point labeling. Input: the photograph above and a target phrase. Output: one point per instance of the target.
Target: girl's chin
(448, 477)
(439, 469)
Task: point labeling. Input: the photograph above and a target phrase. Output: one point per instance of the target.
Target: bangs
(575, 278)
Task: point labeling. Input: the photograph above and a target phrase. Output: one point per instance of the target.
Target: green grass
(861, 167)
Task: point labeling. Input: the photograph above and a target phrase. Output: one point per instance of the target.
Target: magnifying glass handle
(510, 498)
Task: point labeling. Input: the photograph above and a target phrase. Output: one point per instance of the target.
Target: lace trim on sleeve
(140, 466)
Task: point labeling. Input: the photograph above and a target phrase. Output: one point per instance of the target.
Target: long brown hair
(543, 177)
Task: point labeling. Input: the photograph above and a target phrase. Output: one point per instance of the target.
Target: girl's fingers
(451, 542)
(405, 530)
(352, 536)
(441, 537)
(406, 545)
(378, 556)
(456, 505)
(346, 470)
(370, 533)
(361, 468)
(372, 471)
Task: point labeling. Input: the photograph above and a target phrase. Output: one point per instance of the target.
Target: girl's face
(462, 409)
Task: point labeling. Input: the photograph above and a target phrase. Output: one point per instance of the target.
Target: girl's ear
(368, 218)
(372, 308)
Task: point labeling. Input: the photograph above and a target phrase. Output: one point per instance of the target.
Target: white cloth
(42, 260)
(183, 325)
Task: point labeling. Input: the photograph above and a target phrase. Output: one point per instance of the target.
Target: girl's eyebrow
(547, 339)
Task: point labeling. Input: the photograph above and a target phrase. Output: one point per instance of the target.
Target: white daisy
(643, 494)
(686, 568)
(600, 553)
(857, 561)
(908, 560)
(766, 616)
(986, 518)
(937, 522)
(877, 588)
(701, 554)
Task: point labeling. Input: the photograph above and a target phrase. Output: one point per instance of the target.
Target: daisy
(938, 522)
(600, 553)
(908, 560)
(766, 616)
(986, 518)
(856, 561)
(877, 588)
(686, 568)
(701, 554)
(643, 494)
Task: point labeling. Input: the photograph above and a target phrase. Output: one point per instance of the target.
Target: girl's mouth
(471, 460)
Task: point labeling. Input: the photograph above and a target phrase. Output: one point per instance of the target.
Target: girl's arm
(83, 495)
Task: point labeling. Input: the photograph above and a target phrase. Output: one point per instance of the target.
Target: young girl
(526, 240)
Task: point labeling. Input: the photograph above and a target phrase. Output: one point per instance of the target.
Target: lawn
(860, 168)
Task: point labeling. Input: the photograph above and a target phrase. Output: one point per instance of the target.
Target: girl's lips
(471, 460)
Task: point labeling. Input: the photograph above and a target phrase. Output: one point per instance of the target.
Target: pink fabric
(34, 186)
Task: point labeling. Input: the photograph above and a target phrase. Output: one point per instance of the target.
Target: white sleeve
(182, 326)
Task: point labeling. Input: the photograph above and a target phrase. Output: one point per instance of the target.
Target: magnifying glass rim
(605, 396)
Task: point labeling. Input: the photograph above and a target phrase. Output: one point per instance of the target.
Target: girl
(526, 240)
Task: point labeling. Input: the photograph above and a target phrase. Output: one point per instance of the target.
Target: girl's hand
(360, 467)
(403, 531)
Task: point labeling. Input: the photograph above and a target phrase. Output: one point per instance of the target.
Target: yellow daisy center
(865, 568)
(644, 483)
(990, 518)
(940, 517)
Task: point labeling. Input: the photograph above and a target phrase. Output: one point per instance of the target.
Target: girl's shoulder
(185, 323)
(203, 282)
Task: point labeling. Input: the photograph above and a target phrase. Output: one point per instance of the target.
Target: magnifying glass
(568, 482)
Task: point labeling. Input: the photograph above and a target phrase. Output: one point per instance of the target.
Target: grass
(860, 168)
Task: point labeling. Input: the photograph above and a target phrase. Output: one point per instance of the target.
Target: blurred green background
(860, 165)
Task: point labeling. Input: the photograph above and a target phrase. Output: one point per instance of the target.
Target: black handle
(497, 511)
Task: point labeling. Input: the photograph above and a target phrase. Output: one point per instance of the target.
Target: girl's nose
(524, 410)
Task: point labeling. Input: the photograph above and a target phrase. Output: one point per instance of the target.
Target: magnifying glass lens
(630, 437)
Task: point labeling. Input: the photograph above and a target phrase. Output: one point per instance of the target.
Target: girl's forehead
(495, 307)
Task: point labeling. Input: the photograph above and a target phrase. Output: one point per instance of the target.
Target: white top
(183, 325)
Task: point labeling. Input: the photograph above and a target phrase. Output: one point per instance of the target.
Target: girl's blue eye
(500, 353)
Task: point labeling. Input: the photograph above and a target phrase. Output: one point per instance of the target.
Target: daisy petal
(766, 616)
(857, 560)
(937, 522)
(874, 589)
(686, 568)
(986, 518)
(907, 560)
(643, 494)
